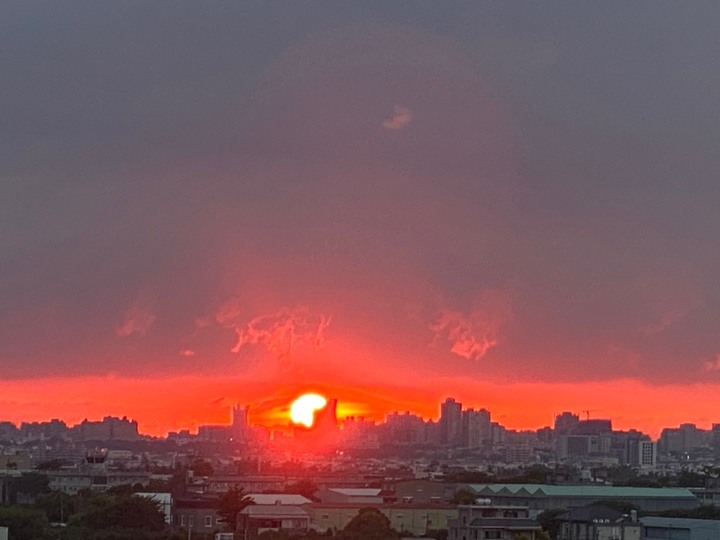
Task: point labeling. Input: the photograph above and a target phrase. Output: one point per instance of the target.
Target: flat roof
(279, 498)
(275, 510)
(387, 506)
(357, 492)
(680, 523)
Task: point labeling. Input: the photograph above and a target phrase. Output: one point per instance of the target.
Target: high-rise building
(476, 428)
(715, 441)
(404, 429)
(565, 422)
(647, 454)
(240, 426)
(451, 422)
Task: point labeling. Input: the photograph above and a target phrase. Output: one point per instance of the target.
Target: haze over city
(384, 203)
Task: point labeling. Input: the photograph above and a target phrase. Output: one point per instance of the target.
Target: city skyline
(283, 422)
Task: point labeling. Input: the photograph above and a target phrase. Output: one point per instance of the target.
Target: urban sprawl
(462, 477)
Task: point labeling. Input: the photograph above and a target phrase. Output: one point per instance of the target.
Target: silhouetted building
(240, 425)
(404, 429)
(565, 423)
(682, 440)
(491, 521)
(476, 428)
(451, 422)
(109, 429)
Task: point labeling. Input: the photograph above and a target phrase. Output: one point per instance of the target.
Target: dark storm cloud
(503, 191)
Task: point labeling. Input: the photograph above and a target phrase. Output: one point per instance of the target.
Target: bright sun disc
(302, 410)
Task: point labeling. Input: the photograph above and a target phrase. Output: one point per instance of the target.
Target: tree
(28, 486)
(121, 512)
(549, 520)
(23, 523)
(58, 506)
(304, 487)
(463, 496)
(369, 524)
(231, 503)
(51, 465)
(273, 535)
(620, 505)
(200, 467)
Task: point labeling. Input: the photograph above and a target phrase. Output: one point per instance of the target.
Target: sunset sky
(515, 204)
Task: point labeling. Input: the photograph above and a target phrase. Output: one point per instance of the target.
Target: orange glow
(302, 410)
(207, 400)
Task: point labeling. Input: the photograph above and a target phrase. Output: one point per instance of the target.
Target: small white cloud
(401, 117)
(279, 333)
(713, 365)
(472, 335)
(138, 318)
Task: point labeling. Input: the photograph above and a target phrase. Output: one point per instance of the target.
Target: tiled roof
(578, 491)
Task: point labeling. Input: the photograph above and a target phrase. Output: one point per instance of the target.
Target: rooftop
(545, 490)
(357, 492)
(274, 510)
(279, 498)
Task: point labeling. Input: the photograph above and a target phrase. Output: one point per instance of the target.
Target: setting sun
(302, 410)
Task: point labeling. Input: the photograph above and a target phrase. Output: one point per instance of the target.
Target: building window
(208, 521)
(325, 516)
(182, 520)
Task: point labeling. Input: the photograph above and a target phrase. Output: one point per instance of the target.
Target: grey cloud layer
(524, 191)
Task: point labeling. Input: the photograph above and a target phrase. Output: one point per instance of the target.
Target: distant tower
(451, 422)
(326, 418)
(240, 427)
(566, 422)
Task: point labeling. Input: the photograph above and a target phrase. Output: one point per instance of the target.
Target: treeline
(118, 514)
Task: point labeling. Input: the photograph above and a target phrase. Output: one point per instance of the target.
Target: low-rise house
(97, 479)
(597, 522)
(484, 522)
(198, 513)
(288, 499)
(414, 518)
(256, 519)
(350, 495)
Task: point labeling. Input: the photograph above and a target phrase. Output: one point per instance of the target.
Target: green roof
(540, 490)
